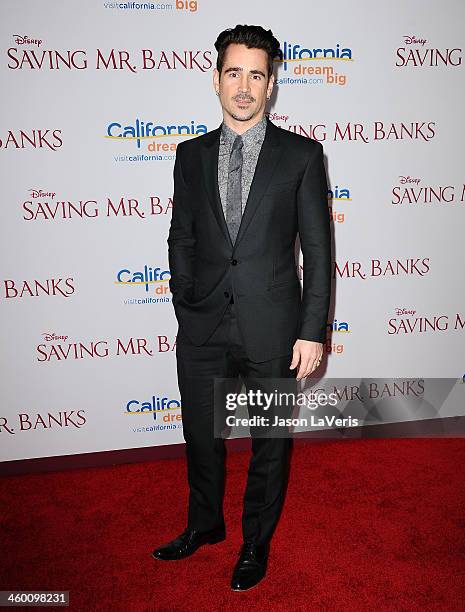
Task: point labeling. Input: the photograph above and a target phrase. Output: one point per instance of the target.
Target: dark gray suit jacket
(288, 195)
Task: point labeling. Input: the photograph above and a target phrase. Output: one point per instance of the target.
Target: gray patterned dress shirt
(253, 140)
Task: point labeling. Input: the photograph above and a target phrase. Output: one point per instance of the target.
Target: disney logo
(49, 337)
(408, 179)
(404, 311)
(412, 40)
(38, 193)
(277, 117)
(25, 40)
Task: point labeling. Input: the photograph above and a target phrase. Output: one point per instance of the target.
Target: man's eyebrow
(239, 69)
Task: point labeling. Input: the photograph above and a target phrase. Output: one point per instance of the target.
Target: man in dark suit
(242, 192)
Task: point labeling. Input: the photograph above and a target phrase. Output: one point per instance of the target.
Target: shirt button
(234, 262)
(226, 294)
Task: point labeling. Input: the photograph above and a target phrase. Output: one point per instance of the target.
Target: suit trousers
(223, 356)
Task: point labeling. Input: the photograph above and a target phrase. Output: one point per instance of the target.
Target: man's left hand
(309, 354)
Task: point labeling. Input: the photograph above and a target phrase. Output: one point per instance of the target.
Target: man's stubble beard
(247, 117)
(239, 118)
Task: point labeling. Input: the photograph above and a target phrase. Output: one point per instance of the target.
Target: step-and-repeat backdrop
(96, 96)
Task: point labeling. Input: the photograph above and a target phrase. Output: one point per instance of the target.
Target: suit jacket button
(234, 262)
(226, 294)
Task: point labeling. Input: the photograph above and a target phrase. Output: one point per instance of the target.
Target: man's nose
(244, 84)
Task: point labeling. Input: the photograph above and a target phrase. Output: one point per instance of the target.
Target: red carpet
(367, 525)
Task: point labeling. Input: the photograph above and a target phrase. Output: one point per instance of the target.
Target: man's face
(244, 85)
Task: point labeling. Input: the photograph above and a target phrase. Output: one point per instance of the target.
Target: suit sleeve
(181, 238)
(315, 243)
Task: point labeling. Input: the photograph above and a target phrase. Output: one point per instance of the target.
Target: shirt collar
(254, 134)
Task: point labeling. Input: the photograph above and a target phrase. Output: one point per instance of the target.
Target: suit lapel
(209, 155)
(264, 170)
(266, 163)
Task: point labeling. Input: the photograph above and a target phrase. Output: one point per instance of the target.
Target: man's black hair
(253, 37)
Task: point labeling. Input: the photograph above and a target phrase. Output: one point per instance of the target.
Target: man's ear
(270, 85)
(216, 79)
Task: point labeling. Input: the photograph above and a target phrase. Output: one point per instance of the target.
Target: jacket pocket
(280, 187)
(285, 291)
(283, 283)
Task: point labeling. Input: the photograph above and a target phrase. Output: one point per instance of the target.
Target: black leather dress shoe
(188, 542)
(251, 567)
